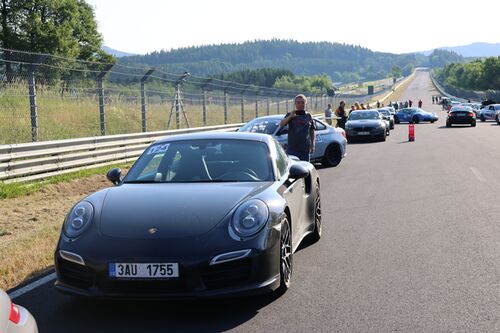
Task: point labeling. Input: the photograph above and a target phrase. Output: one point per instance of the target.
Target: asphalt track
(411, 243)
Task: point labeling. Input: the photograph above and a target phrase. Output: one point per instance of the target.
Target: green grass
(13, 190)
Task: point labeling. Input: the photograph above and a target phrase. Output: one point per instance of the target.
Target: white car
(15, 318)
(490, 112)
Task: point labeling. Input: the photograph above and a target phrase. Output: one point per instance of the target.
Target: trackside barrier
(38, 160)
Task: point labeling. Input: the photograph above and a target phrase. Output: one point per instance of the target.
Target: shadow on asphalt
(456, 126)
(86, 315)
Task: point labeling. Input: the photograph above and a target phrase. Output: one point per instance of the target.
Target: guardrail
(37, 160)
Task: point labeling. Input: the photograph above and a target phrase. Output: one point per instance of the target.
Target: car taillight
(471, 114)
(15, 315)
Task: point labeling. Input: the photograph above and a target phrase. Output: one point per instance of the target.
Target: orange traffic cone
(411, 132)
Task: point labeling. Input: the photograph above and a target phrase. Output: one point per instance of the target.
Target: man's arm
(287, 118)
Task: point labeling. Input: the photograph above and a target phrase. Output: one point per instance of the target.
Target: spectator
(419, 103)
(301, 136)
(357, 106)
(410, 102)
(432, 99)
(378, 104)
(328, 114)
(341, 115)
(362, 106)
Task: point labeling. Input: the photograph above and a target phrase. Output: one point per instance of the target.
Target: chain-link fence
(45, 97)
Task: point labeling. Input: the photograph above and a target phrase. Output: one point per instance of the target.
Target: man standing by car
(328, 114)
(301, 136)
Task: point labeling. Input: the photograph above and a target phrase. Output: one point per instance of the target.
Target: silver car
(331, 142)
(15, 318)
(490, 112)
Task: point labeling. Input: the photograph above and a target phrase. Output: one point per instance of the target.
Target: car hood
(174, 210)
(364, 122)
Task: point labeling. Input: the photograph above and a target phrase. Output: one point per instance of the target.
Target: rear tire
(396, 120)
(498, 120)
(286, 255)
(333, 156)
(474, 124)
(448, 124)
(415, 120)
(482, 119)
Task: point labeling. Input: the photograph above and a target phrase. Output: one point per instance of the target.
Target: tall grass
(65, 116)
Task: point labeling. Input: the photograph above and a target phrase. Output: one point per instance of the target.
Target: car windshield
(384, 112)
(261, 125)
(357, 115)
(203, 161)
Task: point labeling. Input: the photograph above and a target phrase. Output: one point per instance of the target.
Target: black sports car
(461, 115)
(197, 215)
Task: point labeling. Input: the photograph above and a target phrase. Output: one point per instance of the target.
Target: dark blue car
(414, 115)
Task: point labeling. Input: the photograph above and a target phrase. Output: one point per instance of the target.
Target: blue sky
(142, 26)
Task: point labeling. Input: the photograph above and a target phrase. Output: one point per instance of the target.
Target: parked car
(490, 112)
(386, 114)
(476, 107)
(461, 115)
(198, 215)
(366, 124)
(331, 142)
(15, 318)
(414, 115)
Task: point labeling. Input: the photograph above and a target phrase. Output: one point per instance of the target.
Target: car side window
(281, 159)
(319, 126)
(282, 131)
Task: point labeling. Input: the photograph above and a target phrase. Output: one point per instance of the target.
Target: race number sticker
(158, 149)
(318, 138)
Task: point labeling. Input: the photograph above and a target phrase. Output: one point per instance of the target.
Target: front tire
(498, 120)
(286, 255)
(482, 118)
(317, 217)
(333, 156)
(448, 124)
(415, 120)
(396, 119)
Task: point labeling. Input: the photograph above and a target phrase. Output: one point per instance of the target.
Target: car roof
(247, 136)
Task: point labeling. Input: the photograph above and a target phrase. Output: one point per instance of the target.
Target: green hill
(343, 63)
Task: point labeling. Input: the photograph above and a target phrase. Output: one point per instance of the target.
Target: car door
(490, 114)
(321, 131)
(293, 193)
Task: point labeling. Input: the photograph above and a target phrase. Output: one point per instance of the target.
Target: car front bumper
(256, 273)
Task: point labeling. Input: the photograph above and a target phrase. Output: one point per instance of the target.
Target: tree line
(479, 74)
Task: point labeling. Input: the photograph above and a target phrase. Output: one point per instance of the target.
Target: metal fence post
(267, 106)
(143, 99)
(102, 113)
(286, 105)
(32, 94)
(225, 106)
(242, 109)
(256, 106)
(278, 106)
(204, 113)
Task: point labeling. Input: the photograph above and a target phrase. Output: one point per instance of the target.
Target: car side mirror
(114, 175)
(297, 170)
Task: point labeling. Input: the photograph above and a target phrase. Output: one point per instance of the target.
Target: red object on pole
(411, 132)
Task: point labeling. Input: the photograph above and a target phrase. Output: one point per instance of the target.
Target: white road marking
(478, 174)
(32, 285)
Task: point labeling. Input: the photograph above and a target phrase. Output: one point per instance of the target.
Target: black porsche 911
(197, 215)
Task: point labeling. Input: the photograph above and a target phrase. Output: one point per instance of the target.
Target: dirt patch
(30, 226)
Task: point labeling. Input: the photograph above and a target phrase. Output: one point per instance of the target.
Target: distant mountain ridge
(472, 50)
(342, 62)
(116, 53)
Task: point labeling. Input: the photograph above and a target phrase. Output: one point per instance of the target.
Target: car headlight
(78, 219)
(249, 218)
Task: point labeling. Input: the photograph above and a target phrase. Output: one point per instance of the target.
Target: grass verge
(14, 190)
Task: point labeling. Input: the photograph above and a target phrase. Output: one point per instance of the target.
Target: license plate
(144, 270)
(363, 133)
